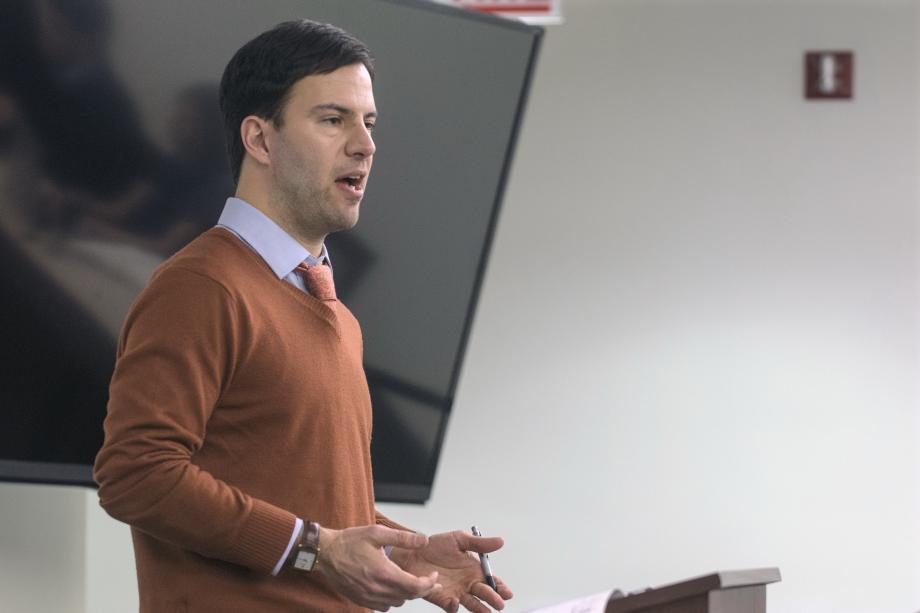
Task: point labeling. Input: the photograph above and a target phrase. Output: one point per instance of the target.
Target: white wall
(111, 581)
(42, 549)
(727, 377)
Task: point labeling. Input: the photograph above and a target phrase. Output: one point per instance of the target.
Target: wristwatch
(305, 555)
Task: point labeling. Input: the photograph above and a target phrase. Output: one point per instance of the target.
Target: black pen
(486, 567)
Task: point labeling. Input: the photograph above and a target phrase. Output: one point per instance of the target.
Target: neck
(258, 199)
(315, 248)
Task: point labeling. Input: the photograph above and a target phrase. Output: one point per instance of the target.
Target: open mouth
(353, 183)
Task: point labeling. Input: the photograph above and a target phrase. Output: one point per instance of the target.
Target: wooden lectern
(733, 591)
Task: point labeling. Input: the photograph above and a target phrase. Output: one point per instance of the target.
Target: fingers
(357, 567)
(390, 579)
(452, 606)
(407, 584)
(378, 602)
(479, 596)
(472, 604)
(394, 591)
(481, 544)
(382, 536)
(485, 593)
(503, 590)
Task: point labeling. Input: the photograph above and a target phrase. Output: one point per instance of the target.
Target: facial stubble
(306, 208)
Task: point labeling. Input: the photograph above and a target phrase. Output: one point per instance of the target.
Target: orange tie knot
(318, 280)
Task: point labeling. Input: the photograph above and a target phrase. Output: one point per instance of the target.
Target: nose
(361, 144)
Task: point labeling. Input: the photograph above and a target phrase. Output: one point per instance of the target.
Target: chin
(350, 224)
(350, 219)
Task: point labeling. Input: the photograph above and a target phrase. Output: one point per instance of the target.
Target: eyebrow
(344, 110)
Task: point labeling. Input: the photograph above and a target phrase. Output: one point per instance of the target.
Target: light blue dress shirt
(279, 249)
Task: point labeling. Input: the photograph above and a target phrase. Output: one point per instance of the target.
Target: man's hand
(453, 556)
(354, 563)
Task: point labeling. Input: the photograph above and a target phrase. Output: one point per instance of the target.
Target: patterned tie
(318, 280)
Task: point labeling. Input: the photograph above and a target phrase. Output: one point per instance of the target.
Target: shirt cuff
(298, 526)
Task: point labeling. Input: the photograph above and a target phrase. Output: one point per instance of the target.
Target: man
(237, 441)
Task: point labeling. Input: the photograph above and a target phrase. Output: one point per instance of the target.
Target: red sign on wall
(531, 11)
(829, 74)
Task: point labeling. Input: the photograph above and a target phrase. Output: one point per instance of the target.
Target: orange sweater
(238, 402)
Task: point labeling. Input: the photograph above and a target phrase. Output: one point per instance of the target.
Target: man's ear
(254, 134)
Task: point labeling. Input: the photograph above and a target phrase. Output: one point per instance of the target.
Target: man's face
(321, 155)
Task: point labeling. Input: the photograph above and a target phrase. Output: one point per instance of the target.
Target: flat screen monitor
(112, 157)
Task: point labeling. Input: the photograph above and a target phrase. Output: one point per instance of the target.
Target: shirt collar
(279, 249)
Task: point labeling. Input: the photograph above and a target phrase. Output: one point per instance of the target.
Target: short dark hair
(259, 77)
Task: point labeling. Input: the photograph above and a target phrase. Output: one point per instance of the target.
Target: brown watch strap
(305, 553)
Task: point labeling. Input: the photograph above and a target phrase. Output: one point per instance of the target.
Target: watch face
(305, 560)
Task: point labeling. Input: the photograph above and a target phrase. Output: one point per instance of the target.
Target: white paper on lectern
(596, 603)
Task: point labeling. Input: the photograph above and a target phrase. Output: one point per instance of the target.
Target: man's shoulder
(216, 254)
(214, 273)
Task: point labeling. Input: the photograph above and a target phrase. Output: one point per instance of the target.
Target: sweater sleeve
(176, 355)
